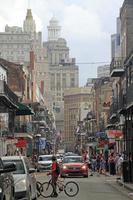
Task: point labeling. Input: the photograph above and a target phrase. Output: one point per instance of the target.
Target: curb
(122, 184)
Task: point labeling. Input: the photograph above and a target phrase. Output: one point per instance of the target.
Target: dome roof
(53, 19)
(62, 41)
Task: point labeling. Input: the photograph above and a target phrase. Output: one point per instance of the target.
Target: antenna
(28, 3)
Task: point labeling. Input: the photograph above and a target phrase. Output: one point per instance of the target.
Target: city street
(93, 188)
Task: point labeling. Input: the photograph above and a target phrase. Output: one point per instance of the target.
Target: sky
(87, 26)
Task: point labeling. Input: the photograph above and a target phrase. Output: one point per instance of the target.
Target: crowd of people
(111, 163)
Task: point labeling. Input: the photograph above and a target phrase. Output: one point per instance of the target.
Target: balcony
(113, 110)
(117, 68)
(122, 103)
(129, 96)
(7, 98)
(23, 127)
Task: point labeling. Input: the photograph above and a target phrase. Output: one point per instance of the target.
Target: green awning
(24, 110)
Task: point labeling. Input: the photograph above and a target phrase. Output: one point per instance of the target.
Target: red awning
(21, 143)
(114, 133)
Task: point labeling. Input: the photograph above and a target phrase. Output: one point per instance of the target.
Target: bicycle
(45, 189)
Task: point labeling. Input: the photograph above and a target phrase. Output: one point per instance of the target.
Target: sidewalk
(120, 182)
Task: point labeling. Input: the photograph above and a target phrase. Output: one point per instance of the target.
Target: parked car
(59, 158)
(70, 154)
(7, 187)
(24, 177)
(44, 162)
(74, 166)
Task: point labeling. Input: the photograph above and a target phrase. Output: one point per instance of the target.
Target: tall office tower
(64, 72)
(16, 44)
(103, 71)
(29, 25)
(54, 29)
(115, 41)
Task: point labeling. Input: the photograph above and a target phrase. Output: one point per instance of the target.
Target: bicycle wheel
(38, 187)
(46, 189)
(71, 189)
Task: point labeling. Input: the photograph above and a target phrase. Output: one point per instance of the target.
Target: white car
(24, 177)
(44, 162)
(59, 158)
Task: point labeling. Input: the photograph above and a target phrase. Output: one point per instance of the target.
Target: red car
(74, 165)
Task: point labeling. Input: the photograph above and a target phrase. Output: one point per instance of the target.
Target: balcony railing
(6, 93)
(21, 127)
(129, 96)
(117, 67)
(113, 109)
(122, 101)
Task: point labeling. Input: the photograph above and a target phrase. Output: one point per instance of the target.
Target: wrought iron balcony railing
(129, 96)
(7, 94)
(117, 67)
(122, 100)
(113, 109)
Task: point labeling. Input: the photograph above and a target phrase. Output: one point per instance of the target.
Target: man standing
(55, 175)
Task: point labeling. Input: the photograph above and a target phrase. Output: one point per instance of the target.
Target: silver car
(24, 177)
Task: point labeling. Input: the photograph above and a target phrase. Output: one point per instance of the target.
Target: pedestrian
(119, 164)
(112, 164)
(116, 162)
(102, 166)
(54, 175)
(98, 158)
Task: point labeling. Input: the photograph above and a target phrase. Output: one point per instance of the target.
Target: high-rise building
(116, 41)
(54, 30)
(16, 44)
(63, 70)
(103, 71)
(29, 25)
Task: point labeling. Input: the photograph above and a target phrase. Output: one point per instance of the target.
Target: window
(19, 166)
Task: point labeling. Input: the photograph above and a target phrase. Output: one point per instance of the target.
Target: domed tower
(54, 29)
(29, 25)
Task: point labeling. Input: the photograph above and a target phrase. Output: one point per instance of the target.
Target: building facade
(62, 69)
(123, 101)
(103, 71)
(77, 103)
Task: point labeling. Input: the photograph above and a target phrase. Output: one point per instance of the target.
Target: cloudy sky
(86, 25)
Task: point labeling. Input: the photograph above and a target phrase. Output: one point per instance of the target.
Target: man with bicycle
(54, 175)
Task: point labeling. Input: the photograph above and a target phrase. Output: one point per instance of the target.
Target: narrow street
(93, 188)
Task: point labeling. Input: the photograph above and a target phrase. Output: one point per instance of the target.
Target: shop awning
(114, 133)
(24, 110)
(21, 143)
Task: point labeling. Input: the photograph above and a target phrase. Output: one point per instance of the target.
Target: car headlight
(21, 185)
(0, 190)
(84, 167)
(64, 167)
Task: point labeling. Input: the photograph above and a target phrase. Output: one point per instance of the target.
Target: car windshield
(41, 158)
(72, 160)
(19, 166)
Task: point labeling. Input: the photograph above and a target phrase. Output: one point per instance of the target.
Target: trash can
(131, 171)
(125, 171)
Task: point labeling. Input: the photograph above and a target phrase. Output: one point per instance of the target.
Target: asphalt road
(93, 188)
